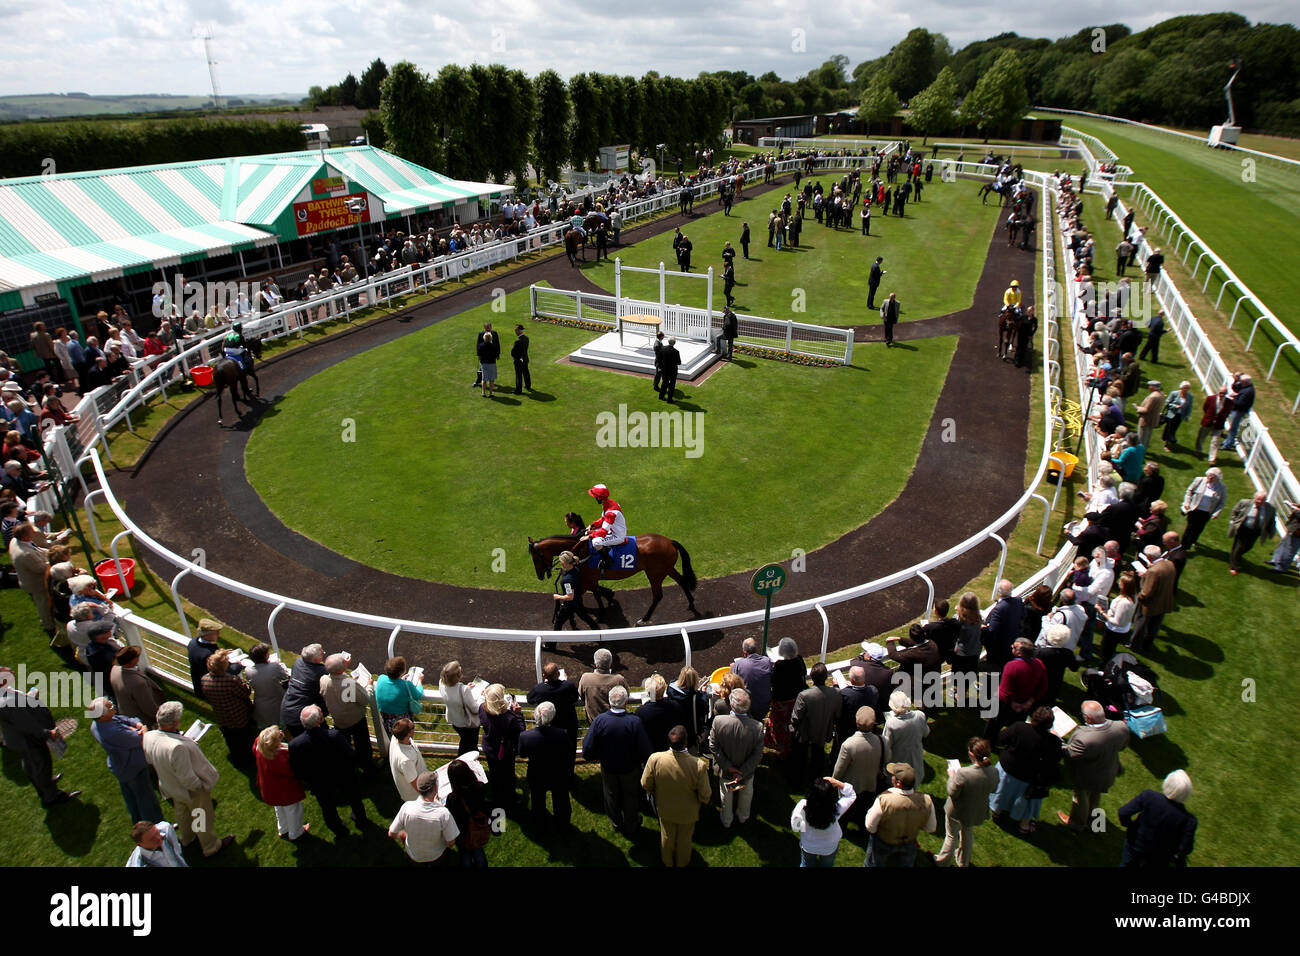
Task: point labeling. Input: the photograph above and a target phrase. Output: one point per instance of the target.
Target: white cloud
(266, 46)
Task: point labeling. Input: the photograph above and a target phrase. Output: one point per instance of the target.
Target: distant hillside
(69, 105)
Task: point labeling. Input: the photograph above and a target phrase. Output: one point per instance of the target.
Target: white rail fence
(1185, 242)
(762, 334)
(1268, 469)
(1281, 162)
(165, 645)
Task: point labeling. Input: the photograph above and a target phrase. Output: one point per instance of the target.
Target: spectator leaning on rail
(348, 701)
(231, 700)
(268, 679)
(461, 704)
(595, 686)
(563, 694)
(202, 646)
(304, 688)
(398, 697)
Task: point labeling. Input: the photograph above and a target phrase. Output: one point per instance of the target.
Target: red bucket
(106, 571)
(201, 374)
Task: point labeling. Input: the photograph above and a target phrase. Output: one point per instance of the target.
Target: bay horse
(575, 240)
(656, 555)
(1008, 329)
(1001, 190)
(228, 374)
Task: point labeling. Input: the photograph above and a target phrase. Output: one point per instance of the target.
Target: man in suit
(1093, 754)
(684, 253)
(30, 563)
(1159, 831)
(1250, 520)
(660, 347)
(679, 784)
(519, 353)
(563, 695)
(28, 728)
(1002, 626)
(549, 750)
(619, 741)
(873, 281)
(324, 763)
(186, 777)
(1155, 597)
(859, 764)
(304, 687)
(730, 328)
(889, 314)
(1155, 330)
(744, 239)
(756, 669)
(137, 694)
(478, 344)
(660, 714)
(736, 742)
(728, 281)
(670, 359)
(816, 710)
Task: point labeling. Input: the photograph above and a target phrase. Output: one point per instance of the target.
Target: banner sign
(336, 212)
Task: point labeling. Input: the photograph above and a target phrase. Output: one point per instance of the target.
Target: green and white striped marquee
(89, 226)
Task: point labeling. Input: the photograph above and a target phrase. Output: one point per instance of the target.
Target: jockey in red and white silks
(610, 529)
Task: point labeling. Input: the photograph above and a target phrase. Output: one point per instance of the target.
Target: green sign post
(767, 580)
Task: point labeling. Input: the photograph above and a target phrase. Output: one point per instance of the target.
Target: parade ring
(983, 470)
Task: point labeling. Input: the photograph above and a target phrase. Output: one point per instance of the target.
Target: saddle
(623, 556)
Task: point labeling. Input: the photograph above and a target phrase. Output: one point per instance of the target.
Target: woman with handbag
(789, 678)
(695, 706)
(469, 808)
(502, 724)
(1029, 763)
(462, 706)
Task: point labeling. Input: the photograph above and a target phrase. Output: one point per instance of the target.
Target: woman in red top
(1023, 685)
(277, 784)
(15, 450)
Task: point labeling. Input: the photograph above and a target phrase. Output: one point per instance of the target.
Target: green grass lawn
(1206, 188)
(450, 457)
(823, 280)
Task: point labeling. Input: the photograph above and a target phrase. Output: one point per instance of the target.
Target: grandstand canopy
(88, 226)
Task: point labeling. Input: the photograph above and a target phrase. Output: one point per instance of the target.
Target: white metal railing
(1083, 144)
(1263, 460)
(1185, 241)
(762, 334)
(167, 642)
(1281, 162)
(396, 627)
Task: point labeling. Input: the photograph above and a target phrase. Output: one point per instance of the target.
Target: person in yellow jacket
(1012, 295)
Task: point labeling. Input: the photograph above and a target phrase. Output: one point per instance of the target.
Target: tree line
(480, 121)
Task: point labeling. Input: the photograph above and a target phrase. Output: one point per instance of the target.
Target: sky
(272, 46)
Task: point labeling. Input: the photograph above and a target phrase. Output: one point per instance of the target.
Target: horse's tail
(688, 573)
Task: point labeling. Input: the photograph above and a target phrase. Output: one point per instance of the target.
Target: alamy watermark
(68, 689)
(675, 429)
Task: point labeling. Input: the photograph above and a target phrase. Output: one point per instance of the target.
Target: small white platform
(636, 354)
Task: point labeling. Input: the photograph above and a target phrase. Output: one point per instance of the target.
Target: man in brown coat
(1093, 754)
(679, 784)
(1156, 597)
(1149, 413)
(594, 686)
(138, 695)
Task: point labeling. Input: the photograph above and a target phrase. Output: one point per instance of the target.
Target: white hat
(873, 650)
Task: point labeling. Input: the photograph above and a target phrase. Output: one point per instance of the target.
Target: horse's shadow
(251, 416)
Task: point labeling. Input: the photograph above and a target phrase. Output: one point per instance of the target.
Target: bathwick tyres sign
(335, 212)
